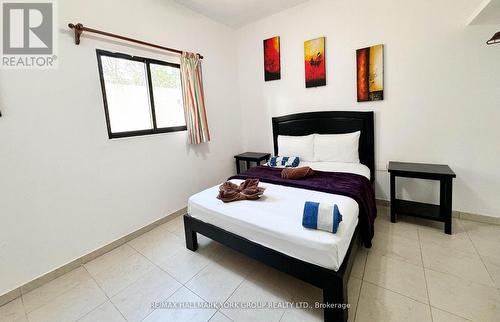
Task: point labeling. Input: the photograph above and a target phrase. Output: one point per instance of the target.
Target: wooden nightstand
(439, 172)
(250, 157)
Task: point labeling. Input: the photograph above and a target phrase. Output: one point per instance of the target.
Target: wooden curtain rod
(79, 29)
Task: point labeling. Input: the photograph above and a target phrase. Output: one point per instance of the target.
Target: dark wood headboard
(334, 122)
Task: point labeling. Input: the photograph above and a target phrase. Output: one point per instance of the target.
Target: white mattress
(275, 221)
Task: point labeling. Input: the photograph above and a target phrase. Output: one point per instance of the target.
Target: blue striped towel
(284, 162)
(321, 216)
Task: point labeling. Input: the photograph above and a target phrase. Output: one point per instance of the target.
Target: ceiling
(237, 13)
(488, 13)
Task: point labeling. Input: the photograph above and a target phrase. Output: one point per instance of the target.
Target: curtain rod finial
(78, 28)
(495, 39)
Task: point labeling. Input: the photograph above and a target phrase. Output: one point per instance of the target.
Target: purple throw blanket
(350, 185)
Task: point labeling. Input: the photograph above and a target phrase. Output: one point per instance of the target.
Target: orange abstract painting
(272, 67)
(370, 73)
(314, 60)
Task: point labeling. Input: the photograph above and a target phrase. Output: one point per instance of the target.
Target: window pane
(167, 95)
(126, 94)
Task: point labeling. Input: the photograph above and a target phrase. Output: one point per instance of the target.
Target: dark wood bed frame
(333, 283)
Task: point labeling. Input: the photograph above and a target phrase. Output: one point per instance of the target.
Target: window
(141, 95)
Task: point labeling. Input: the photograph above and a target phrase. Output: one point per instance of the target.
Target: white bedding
(275, 221)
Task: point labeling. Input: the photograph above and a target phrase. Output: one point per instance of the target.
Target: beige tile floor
(413, 272)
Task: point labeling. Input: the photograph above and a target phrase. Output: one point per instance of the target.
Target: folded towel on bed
(297, 173)
(247, 190)
(321, 216)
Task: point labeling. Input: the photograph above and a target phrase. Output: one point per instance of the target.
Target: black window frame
(147, 62)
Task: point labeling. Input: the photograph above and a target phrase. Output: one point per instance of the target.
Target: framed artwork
(272, 64)
(370, 73)
(314, 60)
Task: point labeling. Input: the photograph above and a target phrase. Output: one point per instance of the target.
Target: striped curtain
(194, 99)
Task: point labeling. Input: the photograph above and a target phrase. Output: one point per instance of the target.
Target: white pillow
(301, 146)
(337, 147)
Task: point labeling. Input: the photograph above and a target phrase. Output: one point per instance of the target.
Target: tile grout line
(454, 314)
(460, 277)
(430, 306)
(400, 260)
(95, 281)
(219, 311)
(236, 288)
(226, 316)
(24, 308)
(74, 287)
(144, 318)
(282, 315)
(361, 286)
(434, 270)
(211, 316)
(184, 284)
(406, 296)
(134, 281)
(158, 266)
(198, 272)
(144, 274)
(155, 265)
(476, 252)
(425, 275)
(473, 282)
(364, 266)
(481, 258)
(387, 289)
(56, 297)
(357, 301)
(105, 294)
(244, 279)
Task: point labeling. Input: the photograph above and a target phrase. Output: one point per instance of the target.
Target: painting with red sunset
(314, 60)
(272, 68)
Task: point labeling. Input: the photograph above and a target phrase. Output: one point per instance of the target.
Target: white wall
(442, 98)
(65, 188)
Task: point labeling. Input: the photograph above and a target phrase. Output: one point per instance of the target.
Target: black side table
(250, 157)
(439, 172)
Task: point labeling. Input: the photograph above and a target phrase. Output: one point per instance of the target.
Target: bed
(267, 230)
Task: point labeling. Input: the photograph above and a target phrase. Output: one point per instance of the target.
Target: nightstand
(439, 172)
(250, 157)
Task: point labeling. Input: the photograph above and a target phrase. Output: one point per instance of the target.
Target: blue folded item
(321, 216)
(285, 162)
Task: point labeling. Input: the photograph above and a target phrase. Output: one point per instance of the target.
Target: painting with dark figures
(370, 73)
(314, 60)
(272, 67)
